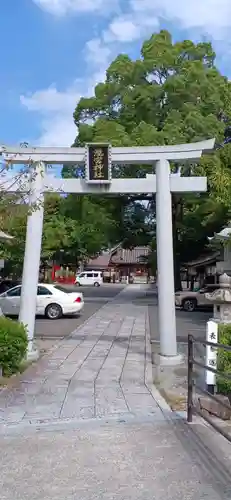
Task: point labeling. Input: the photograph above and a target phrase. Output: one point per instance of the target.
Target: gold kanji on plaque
(98, 164)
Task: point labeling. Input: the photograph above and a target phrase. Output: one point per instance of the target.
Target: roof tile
(130, 256)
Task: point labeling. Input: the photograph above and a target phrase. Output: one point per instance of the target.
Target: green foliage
(13, 222)
(79, 226)
(13, 345)
(224, 360)
(172, 94)
(89, 226)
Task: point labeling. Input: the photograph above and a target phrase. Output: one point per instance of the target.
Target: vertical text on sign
(211, 352)
(98, 163)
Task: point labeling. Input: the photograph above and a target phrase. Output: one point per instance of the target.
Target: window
(42, 290)
(95, 275)
(15, 292)
(81, 275)
(89, 275)
(61, 289)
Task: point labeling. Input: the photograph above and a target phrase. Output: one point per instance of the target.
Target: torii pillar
(163, 183)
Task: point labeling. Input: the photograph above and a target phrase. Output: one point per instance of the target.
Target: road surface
(186, 322)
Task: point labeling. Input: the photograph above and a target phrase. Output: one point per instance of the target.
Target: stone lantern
(221, 300)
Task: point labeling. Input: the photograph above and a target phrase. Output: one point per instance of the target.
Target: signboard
(98, 164)
(211, 353)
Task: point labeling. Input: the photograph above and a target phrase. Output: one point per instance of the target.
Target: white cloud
(58, 130)
(51, 99)
(63, 7)
(211, 16)
(97, 53)
(55, 109)
(123, 30)
(136, 19)
(130, 27)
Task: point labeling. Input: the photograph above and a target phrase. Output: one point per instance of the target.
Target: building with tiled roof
(122, 262)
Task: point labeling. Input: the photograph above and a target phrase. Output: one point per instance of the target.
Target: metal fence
(192, 384)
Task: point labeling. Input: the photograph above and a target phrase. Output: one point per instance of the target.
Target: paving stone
(15, 416)
(109, 401)
(134, 388)
(42, 414)
(81, 393)
(68, 369)
(101, 375)
(70, 411)
(115, 407)
(144, 402)
(78, 355)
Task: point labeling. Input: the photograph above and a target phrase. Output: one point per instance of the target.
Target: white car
(190, 301)
(53, 301)
(89, 278)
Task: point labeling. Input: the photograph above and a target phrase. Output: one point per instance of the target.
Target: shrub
(224, 360)
(13, 345)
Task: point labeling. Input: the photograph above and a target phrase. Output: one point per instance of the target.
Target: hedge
(13, 345)
(224, 359)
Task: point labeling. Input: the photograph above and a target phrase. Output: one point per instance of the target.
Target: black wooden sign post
(98, 164)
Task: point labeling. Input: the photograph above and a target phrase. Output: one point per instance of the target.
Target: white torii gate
(163, 183)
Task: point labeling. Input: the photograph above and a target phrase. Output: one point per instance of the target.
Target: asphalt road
(94, 298)
(186, 322)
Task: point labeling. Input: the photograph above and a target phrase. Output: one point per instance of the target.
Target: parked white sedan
(53, 301)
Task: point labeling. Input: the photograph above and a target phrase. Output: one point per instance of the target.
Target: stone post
(32, 257)
(166, 291)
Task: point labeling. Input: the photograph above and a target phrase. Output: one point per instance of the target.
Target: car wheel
(189, 305)
(77, 283)
(53, 311)
(96, 283)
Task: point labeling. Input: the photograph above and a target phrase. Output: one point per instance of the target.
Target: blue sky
(54, 51)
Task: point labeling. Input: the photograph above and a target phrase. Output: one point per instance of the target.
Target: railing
(191, 407)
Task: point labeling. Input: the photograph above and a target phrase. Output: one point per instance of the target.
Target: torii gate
(98, 160)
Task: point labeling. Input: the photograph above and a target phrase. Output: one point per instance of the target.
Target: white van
(89, 278)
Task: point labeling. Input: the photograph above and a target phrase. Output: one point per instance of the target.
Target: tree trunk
(177, 276)
(176, 213)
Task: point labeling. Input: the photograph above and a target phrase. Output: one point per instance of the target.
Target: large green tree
(74, 225)
(173, 93)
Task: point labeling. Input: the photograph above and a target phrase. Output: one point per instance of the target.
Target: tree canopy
(172, 94)
(74, 225)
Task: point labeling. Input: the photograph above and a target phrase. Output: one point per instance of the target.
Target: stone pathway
(99, 433)
(103, 369)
